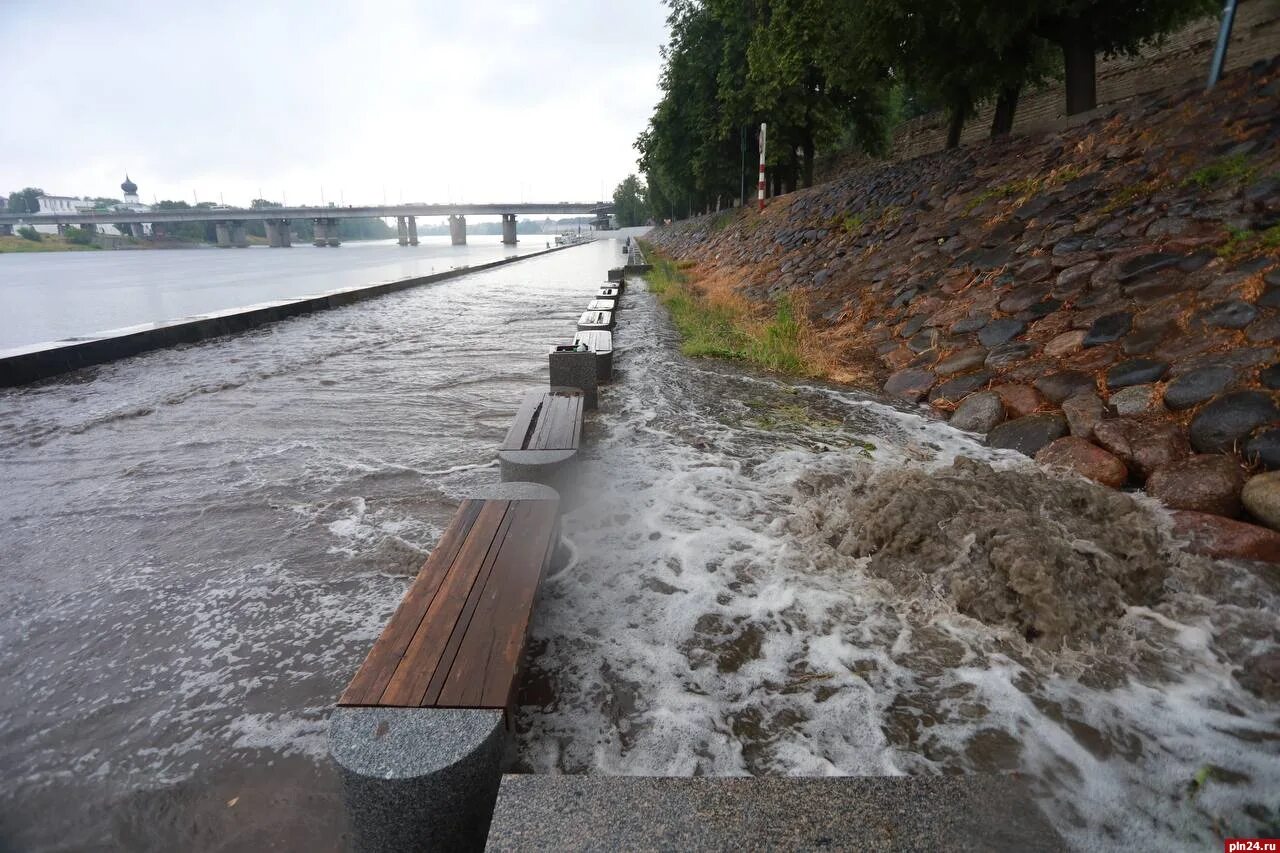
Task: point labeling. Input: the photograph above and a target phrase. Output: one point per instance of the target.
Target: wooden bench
(601, 344)
(544, 437)
(457, 639)
(420, 734)
(595, 320)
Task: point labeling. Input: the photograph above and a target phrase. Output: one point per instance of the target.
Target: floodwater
(200, 545)
(48, 297)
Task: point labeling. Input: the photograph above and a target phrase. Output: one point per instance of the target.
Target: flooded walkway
(202, 543)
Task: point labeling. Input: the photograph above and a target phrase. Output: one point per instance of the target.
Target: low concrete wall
(21, 365)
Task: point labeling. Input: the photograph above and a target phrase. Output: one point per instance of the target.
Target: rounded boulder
(1208, 483)
(1084, 458)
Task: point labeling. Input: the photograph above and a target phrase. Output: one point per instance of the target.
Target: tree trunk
(776, 172)
(1006, 106)
(1080, 62)
(807, 148)
(958, 115)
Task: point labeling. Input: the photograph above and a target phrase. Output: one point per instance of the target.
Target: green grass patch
(1227, 169)
(47, 243)
(1127, 195)
(708, 330)
(1024, 187)
(850, 222)
(1242, 243)
(723, 220)
(777, 348)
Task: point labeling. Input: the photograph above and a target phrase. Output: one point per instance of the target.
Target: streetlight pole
(760, 186)
(1224, 39)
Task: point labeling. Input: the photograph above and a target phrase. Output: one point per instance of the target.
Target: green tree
(688, 163)
(1084, 29)
(78, 236)
(955, 53)
(808, 85)
(630, 202)
(731, 64)
(25, 200)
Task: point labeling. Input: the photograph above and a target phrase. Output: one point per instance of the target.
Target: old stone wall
(1183, 57)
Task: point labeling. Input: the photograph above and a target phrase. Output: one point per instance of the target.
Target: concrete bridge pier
(277, 232)
(89, 227)
(239, 237)
(326, 232)
(223, 232)
(62, 229)
(402, 231)
(413, 230)
(458, 230)
(6, 230)
(138, 230)
(508, 229)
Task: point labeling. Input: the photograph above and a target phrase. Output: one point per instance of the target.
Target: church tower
(130, 190)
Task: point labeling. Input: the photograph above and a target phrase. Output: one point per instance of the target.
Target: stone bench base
(548, 467)
(418, 778)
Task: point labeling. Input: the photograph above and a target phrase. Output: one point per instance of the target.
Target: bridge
(229, 221)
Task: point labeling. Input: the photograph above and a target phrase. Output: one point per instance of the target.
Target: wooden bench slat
(385, 656)
(544, 437)
(409, 682)
(529, 407)
(431, 690)
(482, 674)
(564, 425)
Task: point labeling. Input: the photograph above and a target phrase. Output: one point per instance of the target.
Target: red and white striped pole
(760, 186)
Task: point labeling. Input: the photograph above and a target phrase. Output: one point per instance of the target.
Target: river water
(48, 297)
(200, 545)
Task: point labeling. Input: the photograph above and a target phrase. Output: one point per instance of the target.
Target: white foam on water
(698, 634)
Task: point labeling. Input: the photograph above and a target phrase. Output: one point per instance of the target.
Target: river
(50, 296)
(200, 545)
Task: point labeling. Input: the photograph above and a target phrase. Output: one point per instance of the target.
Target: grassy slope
(728, 328)
(50, 243)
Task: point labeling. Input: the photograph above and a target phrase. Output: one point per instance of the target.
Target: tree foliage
(25, 200)
(630, 202)
(830, 74)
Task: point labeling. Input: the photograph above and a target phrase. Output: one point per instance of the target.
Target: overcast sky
(422, 101)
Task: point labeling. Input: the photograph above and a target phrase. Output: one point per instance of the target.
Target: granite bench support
(572, 368)
(420, 734)
(600, 343)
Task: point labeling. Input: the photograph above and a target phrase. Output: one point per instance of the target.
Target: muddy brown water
(200, 545)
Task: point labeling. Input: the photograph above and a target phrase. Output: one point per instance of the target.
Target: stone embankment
(1105, 299)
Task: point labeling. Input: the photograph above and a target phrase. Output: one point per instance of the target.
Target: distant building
(63, 205)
